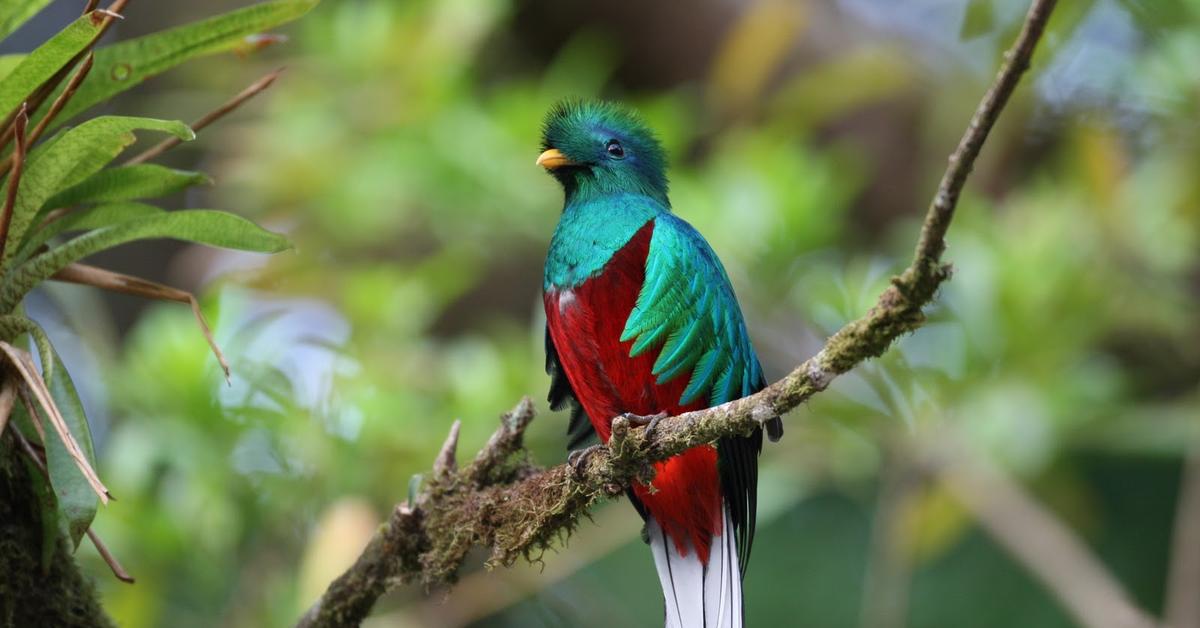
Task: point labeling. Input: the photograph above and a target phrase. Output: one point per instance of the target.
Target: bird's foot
(578, 459)
(647, 422)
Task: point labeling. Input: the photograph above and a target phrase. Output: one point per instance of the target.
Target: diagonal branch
(516, 509)
(251, 91)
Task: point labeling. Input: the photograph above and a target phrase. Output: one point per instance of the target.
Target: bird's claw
(578, 458)
(647, 422)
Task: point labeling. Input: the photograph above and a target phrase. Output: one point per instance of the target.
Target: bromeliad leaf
(77, 502)
(73, 157)
(127, 183)
(14, 13)
(38, 66)
(125, 65)
(202, 226)
(64, 434)
(8, 62)
(83, 220)
(70, 458)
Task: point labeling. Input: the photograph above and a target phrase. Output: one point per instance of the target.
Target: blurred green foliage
(398, 152)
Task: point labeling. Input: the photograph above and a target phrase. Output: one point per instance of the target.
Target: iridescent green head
(596, 148)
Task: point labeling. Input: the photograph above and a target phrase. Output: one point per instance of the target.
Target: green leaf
(202, 226)
(74, 157)
(85, 219)
(125, 65)
(8, 63)
(14, 13)
(77, 502)
(69, 503)
(38, 66)
(127, 183)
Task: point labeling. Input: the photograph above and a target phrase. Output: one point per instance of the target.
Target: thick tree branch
(504, 503)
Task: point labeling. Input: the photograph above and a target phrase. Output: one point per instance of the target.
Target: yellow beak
(552, 159)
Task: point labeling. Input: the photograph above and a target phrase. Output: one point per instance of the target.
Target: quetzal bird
(641, 320)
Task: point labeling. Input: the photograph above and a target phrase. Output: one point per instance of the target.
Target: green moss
(31, 594)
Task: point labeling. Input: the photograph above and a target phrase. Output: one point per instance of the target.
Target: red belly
(585, 324)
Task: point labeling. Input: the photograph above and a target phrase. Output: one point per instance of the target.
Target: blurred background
(1061, 364)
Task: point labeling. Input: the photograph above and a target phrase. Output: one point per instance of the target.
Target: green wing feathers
(687, 307)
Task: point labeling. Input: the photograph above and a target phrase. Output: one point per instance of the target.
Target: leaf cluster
(66, 198)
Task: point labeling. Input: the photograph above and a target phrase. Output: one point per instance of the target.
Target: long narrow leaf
(38, 66)
(127, 183)
(84, 220)
(8, 62)
(72, 158)
(125, 65)
(202, 226)
(81, 460)
(14, 13)
(77, 501)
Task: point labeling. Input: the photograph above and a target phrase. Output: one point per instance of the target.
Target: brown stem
(253, 90)
(85, 275)
(518, 510)
(14, 181)
(113, 564)
(63, 98)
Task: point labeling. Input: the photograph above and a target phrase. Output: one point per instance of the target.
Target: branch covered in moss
(503, 502)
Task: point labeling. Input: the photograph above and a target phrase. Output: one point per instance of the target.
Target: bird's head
(595, 148)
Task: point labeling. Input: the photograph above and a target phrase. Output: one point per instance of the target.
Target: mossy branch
(503, 502)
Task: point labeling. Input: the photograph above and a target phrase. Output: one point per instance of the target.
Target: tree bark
(34, 592)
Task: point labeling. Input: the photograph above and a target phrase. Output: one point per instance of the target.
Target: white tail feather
(698, 595)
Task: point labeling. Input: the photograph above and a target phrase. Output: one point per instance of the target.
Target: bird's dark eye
(614, 150)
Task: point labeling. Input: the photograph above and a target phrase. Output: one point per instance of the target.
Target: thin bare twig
(34, 455)
(125, 284)
(253, 90)
(64, 97)
(1183, 584)
(526, 508)
(14, 181)
(31, 409)
(115, 565)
